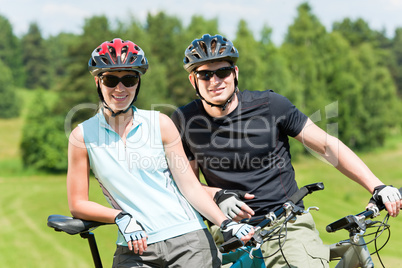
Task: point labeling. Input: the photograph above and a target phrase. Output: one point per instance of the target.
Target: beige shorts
(195, 249)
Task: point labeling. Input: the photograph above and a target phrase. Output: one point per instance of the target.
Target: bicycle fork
(351, 254)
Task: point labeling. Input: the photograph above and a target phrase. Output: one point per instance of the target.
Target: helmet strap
(114, 114)
(222, 106)
(119, 112)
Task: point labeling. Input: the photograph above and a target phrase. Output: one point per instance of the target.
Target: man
(239, 141)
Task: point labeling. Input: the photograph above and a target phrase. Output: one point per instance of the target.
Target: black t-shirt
(246, 150)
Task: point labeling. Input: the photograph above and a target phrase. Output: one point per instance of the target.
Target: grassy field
(29, 197)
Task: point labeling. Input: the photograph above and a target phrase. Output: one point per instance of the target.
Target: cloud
(55, 16)
(64, 10)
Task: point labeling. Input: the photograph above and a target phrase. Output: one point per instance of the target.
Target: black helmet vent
(133, 59)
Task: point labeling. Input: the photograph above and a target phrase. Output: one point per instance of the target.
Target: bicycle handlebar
(351, 222)
(266, 220)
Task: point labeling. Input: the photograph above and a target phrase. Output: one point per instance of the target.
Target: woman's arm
(78, 187)
(184, 175)
(233, 206)
(78, 183)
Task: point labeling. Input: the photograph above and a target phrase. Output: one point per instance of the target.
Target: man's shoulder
(250, 96)
(193, 108)
(264, 96)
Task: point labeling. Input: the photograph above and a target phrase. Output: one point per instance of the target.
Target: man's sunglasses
(221, 73)
(112, 80)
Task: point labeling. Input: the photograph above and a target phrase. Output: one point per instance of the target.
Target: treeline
(347, 80)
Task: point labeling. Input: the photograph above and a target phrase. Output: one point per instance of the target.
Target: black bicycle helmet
(117, 55)
(209, 48)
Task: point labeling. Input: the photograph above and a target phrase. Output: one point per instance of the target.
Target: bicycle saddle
(72, 226)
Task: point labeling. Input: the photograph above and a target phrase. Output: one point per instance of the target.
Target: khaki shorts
(303, 247)
(195, 249)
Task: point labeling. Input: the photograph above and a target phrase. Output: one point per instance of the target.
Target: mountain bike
(349, 253)
(84, 228)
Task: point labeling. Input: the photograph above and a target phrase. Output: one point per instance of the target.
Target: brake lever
(257, 247)
(311, 208)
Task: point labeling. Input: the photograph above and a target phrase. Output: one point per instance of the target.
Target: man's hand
(242, 231)
(132, 231)
(231, 204)
(390, 197)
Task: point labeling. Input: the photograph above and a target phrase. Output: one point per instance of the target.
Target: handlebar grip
(305, 190)
(350, 221)
(343, 223)
(230, 245)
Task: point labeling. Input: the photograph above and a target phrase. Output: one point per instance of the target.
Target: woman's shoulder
(76, 137)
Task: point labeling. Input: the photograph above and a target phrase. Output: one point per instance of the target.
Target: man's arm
(344, 159)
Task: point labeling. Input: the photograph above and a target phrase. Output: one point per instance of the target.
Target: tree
(8, 105)
(35, 59)
(167, 47)
(250, 60)
(198, 27)
(396, 69)
(59, 59)
(357, 32)
(275, 72)
(302, 47)
(10, 52)
(380, 101)
(43, 144)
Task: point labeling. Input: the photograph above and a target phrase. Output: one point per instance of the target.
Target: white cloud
(54, 16)
(63, 10)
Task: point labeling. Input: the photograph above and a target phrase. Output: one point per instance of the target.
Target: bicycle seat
(70, 225)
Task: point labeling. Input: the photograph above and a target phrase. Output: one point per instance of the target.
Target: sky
(55, 16)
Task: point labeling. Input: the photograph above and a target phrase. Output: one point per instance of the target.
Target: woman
(139, 161)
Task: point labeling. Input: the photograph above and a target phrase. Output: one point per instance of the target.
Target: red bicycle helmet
(117, 55)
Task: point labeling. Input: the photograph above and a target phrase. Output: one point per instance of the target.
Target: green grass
(28, 197)
(343, 197)
(26, 239)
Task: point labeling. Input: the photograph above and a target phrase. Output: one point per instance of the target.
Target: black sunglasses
(112, 80)
(221, 73)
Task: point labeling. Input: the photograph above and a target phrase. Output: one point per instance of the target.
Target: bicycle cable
(381, 227)
(386, 226)
(281, 246)
(274, 235)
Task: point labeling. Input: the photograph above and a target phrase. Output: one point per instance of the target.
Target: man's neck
(217, 112)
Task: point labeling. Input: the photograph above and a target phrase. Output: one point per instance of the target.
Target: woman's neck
(120, 123)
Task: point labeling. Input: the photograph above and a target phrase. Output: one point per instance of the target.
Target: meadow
(28, 197)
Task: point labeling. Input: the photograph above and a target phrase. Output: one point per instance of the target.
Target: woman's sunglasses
(112, 80)
(221, 73)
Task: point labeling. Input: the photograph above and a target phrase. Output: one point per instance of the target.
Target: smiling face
(119, 96)
(216, 90)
